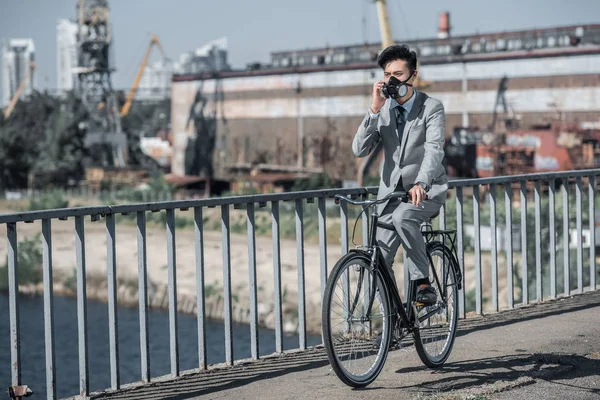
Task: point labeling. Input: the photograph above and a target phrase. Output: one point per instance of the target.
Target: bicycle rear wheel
(437, 328)
(356, 321)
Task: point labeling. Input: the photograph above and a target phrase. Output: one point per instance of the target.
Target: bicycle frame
(380, 270)
(406, 313)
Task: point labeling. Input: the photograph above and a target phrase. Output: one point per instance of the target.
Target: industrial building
(17, 58)
(66, 55)
(155, 83)
(299, 113)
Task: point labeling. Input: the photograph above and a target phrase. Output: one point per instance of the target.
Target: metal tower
(104, 135)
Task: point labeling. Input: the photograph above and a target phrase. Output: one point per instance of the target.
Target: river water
(67, 364)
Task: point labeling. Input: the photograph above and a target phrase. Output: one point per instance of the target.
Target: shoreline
(186, 305)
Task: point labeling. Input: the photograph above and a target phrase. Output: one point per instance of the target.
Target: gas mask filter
(395, 88)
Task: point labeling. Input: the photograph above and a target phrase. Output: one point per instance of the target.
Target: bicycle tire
(437, 249)
(336, 343)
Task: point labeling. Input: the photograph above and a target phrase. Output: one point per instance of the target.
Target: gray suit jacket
(418, 158)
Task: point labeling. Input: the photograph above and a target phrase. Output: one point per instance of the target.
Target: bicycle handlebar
(403, 196)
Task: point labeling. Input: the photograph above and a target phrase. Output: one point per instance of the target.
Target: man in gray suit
(410, 126)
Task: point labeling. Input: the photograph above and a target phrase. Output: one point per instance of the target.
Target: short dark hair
(398, 52)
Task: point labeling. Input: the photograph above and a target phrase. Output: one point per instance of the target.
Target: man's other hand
(417, 194)
(377, 100)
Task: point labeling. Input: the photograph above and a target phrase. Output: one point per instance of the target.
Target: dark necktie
(400, 121)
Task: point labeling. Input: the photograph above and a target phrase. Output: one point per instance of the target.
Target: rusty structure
(506, 147)
(299, 113)
(104, 137)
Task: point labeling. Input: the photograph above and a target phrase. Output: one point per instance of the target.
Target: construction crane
(136, 82)
(11, 106)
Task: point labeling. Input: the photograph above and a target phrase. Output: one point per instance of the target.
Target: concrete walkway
(542, 351)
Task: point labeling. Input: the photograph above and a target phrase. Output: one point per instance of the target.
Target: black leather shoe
(426, 295)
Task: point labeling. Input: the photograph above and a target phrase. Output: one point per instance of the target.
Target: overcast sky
(254, 28)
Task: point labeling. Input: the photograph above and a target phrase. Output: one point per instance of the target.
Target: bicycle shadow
(505, 371)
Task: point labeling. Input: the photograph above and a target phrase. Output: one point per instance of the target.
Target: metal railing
(459, 219)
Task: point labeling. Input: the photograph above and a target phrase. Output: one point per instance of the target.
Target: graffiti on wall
(199, 149)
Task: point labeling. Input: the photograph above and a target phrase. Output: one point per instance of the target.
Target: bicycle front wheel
(356, 321)
(437, 328)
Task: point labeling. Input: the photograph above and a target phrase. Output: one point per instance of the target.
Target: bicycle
(358, 327)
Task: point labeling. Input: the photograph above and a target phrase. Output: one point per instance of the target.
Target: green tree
(43, 137)
(63, 152)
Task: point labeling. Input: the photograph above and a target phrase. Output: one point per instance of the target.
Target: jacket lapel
(387, 121)
(414, 112)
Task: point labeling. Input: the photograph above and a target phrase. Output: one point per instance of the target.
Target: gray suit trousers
(407, 220)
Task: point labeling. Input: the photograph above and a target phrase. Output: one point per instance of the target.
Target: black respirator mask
(395, 88)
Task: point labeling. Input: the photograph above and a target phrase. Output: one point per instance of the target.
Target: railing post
(200, 304)
(365, 222)
(113, 332)
(322, 247)
(579, 235)
(477, 244)
(143, 297)
(48, 309)
(566, 236)
(13, 305)
(552, 227)
(344, 226)
(300, 267)
(172, 282)
(509, 246)
(538, 241)
(346, 275)
(524, 267)
(82, 334)
(460, 248)
(442, 217)
(495, 306)
(227, 319)
(592, 223)
(277, 276)
(365, 239)
(252, 280)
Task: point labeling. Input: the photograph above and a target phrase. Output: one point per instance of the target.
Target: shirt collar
(408, 105)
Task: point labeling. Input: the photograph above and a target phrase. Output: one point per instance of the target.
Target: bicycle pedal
(395, 344)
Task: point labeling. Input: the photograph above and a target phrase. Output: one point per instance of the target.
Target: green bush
(29, 268)
(49, 200)
(158, 190)
(315, 182)
(70, 282)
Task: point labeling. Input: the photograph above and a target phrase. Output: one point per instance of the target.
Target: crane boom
(384, 24)
(136, 82)
(8, 110)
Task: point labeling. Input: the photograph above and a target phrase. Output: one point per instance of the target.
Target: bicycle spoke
(355, 337)
(438, 322)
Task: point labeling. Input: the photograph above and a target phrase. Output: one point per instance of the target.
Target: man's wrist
(374, 111)
(423, 185)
